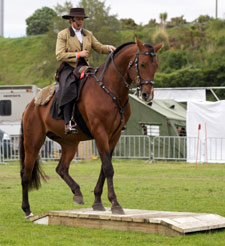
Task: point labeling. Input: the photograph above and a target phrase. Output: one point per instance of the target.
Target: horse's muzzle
(147, 96)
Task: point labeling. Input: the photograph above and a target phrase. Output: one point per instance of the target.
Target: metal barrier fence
(128, 147)
(169, 148)
(132, 147)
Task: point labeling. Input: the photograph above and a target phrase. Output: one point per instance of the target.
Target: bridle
(150, 53)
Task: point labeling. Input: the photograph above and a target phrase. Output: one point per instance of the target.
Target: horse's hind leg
(27, 174)
(68, 152)
(30, 171)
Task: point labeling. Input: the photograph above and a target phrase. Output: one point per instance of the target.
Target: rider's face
(78, 22)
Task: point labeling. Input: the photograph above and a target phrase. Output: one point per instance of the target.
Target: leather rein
(150, 53)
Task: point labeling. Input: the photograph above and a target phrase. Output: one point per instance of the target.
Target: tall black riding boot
(67, 112)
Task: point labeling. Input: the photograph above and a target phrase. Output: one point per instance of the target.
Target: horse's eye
(142, 65)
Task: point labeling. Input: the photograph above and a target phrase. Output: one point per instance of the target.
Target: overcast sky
(16, 11)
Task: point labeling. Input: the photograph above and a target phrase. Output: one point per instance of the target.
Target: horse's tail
(37, 172)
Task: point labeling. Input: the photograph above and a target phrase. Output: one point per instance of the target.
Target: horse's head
(143, 67)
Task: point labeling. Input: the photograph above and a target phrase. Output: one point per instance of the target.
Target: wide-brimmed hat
(75, 12)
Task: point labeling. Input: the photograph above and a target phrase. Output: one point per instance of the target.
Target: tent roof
(167, 108)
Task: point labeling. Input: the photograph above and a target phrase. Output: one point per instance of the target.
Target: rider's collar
(72, 32)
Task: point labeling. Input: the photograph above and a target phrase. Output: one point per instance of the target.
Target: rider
(73, 48)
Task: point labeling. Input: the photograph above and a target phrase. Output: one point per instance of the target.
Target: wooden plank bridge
(147, 221)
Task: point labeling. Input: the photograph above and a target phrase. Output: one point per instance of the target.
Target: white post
(216, 9)
(1, 17)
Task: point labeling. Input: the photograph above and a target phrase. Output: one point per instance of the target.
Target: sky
(141, 11)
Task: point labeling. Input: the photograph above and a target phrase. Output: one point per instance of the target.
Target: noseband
(150, 53)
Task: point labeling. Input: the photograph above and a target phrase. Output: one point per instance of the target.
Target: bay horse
(105, 109)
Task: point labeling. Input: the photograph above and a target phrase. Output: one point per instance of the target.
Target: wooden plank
(112, 225)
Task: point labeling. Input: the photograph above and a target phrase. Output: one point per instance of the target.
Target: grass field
(139, 185)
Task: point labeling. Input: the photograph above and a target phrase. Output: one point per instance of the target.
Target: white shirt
(78, 34)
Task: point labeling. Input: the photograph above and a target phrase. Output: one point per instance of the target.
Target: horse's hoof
(29, 216)
(78, 200)
(117, 210)
(98, 207)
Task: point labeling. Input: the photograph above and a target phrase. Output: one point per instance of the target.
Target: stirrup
(71, 128)
(74, 129)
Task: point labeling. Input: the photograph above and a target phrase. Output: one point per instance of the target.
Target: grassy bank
(21, 61)
(139, 185)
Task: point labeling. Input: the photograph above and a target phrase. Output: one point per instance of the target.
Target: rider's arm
(97, 46)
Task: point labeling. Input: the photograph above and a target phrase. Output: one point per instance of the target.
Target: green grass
(139, 185)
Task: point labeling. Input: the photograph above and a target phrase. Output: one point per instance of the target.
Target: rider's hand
(110, 48)
(84, 53)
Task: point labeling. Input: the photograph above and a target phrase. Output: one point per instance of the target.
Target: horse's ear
(158, 47)
(139, 44)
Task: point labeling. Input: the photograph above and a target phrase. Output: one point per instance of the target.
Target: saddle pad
(45, 95)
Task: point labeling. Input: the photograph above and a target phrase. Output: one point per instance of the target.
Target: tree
(128, 23)
(40, 21)
(152, 23)
(163, 17)
(202, 19)
(177, 21)
(172, 60)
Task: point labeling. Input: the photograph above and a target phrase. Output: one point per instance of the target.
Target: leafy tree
(194, 36)
(204, 18)
(177, 21)
(128, 24)
(39, 22)
(152, 23)
(172, 60)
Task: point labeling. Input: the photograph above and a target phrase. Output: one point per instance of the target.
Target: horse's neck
(114, 81)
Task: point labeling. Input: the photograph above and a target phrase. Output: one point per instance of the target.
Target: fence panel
(169, 148)
(130, 147)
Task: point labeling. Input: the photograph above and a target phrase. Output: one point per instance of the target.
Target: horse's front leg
(107, 172)
(97, 205)
(68, 152)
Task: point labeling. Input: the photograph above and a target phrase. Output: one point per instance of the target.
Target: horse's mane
(150, 46)
(121, 47)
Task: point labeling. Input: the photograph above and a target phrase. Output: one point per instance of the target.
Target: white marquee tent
(206, 120)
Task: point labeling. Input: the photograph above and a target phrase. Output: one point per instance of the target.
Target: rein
(99, 80)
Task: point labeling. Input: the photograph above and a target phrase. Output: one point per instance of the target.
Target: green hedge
(190, 77)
